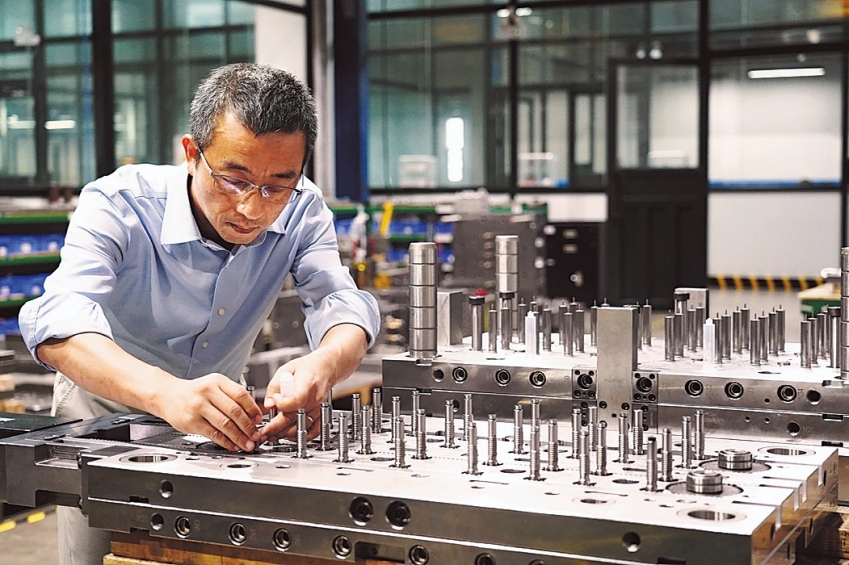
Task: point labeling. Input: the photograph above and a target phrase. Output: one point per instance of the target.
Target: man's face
(269, 159)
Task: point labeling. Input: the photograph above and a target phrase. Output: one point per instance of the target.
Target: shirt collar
(178, 222)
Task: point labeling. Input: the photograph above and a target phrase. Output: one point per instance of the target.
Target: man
(168, 273)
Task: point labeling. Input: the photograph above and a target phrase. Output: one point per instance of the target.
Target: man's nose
(250, 204)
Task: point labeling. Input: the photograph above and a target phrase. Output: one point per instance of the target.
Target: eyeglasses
(237, 186)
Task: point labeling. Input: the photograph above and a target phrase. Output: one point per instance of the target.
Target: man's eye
(239, 185)
(273, 190)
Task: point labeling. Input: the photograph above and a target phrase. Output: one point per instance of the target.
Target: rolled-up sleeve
(329, 295)
(74, 293)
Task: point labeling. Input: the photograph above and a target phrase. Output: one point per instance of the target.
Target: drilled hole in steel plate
(786, 451)
(593, 501)
(149, 458)
(712, 515)
(240, 465)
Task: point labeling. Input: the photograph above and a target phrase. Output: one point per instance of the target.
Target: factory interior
(608, 244)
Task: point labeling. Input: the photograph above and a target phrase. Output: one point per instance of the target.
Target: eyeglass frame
(261, 188)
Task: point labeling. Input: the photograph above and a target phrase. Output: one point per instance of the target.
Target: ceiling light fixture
(787, 73)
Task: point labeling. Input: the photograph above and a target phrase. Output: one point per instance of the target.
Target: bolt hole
(419, 555)
(631, 541)
(183, 527)
(238, 534)
(282, 540)
(342, 546)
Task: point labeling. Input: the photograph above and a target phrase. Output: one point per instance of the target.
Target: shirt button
(205, 344)
(221, 311)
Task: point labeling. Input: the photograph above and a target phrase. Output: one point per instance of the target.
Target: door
(657, 193)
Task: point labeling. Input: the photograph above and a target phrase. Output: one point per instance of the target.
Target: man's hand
(300, 383)
(215, 407)
(305, 382)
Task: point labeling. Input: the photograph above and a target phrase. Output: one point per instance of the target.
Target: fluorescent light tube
(787, 73)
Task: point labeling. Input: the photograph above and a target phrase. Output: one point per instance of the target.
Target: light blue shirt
(135, 268)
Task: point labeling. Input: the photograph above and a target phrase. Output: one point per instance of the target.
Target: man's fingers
(241, 396)
(224, 422)
(235, 412)
(217, 437)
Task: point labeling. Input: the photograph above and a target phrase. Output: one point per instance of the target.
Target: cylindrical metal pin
(669, 337)
(518, 430)
(700, 324)
(699, 436)
(377, 412)
(601, 450)
(546, 329)
(737, 331)
(781, 323)
(576, 431)
(534, 458)
(325, 425)
(746, 337)
(417, 403)
(492, 441)
(343, 439)
(773, 333)
(686, 443)
(805, 342)
(400, 443)
(468, 414)
(535, 406)
(725, 321)
(566, 333)
(553, 447)
(476, 304)
(423, 315)
(505, 326)
(365, 436)
(492, 341)
(396, 413)
(531, 334)
(449, 426)
(421, 435)
(592, 420)
(651, 465)
(753, 345)
(666, 455)
(302, 434)
(584, 459)
(356, 414)
(645, 314)
(624, 452)
(637, 431)
(521, 313)
(578, 329)
(472, 452)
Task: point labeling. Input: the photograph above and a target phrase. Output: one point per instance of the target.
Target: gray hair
(262, 98)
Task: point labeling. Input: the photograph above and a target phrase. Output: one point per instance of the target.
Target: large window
(161, 49)
(159, 60)
(529, 86)
(774, 124)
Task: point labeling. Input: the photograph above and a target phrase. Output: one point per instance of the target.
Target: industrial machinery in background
(605, 362)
